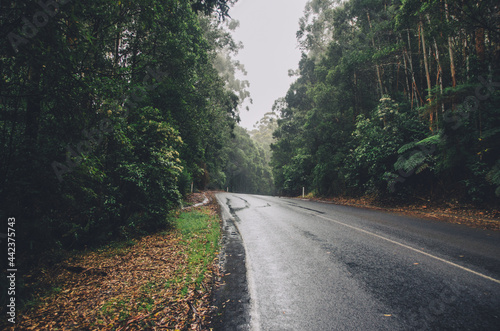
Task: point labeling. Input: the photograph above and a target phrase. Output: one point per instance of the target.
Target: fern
(432, 140)
(411, 163)
(490, 133)
(407, 147)
(422, 168)
(435, 139)
(494, 175)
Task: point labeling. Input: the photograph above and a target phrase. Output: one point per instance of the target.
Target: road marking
(410, 248)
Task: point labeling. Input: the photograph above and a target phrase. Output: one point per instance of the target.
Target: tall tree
(106, 110)
(330, 135)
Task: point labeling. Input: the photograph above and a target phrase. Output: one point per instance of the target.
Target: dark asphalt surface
(317, 266)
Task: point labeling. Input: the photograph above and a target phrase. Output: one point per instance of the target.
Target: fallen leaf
(117, 301)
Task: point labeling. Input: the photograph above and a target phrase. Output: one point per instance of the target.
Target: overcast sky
(267, 30)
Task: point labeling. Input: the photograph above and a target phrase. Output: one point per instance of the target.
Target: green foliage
(246, 169)
(263, 134)
(418, 155)
(374, 112)
(107, 113)
(494, 177)
(185, 180)
(376, 141)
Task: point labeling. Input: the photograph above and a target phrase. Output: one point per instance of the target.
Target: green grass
(116, 307)
(309, 195)
(201, 233)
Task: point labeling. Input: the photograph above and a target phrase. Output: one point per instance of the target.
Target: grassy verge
(200, 233)
(162, 281)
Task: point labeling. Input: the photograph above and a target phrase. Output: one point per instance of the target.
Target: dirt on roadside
(451, 212)
(138, 284)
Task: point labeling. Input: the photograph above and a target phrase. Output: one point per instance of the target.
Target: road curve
(318, 266)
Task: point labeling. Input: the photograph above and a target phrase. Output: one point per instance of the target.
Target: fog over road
(318, 266)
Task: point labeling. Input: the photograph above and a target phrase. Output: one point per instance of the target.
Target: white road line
(410, 248)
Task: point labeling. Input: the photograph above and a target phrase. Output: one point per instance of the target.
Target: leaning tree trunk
(415, 94)
(427, 76)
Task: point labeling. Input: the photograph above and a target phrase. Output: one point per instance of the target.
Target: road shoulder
(448, 212)
(232, 298)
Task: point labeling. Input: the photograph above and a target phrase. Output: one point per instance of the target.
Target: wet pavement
(306, 265)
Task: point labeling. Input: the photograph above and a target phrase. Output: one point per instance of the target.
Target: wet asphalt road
(317, 266)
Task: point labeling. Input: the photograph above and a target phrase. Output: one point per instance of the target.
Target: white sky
(267, 30)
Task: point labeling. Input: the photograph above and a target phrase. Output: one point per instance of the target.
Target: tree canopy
(109, 110)
(393, 98)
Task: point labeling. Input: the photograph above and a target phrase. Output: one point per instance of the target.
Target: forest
(395, 100)
(109, 110)
(113, 111)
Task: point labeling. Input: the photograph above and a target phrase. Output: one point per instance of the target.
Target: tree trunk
(439, 78)
(355, 96)
(117, 48)
(450, 50)
(427, 75)
(466, 57)
(377, 67)
(480, 46)
(414, 82)
(406, 75)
